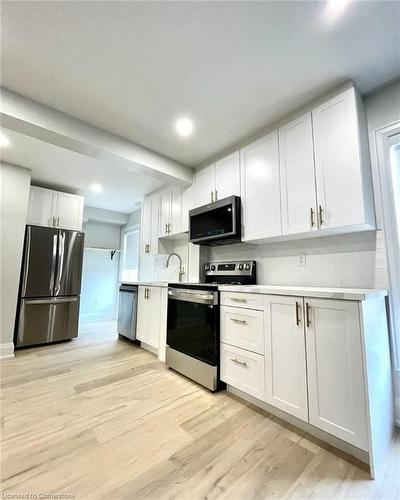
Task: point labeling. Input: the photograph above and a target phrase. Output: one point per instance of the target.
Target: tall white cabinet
(260, 189)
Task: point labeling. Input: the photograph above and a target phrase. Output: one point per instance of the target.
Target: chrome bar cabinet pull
(240, 363)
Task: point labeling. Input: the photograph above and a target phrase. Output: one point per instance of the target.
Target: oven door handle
(196, 297)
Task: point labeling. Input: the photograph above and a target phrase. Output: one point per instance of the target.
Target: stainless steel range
(193, 321)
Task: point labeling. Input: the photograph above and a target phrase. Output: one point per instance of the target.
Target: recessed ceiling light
(4, 140)
(96, 188)
(184, 127)
(335, 8)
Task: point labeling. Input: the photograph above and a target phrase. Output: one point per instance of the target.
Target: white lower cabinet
(285, 355)
(149, 315)
(243, 369)
(304, 356)
(336, 389)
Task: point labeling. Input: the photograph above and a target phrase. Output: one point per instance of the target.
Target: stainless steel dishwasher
(127, 305)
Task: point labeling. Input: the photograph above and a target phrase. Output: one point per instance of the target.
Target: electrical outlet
(301, 259)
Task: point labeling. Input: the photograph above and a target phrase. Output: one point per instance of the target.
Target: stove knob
(240, 267)
(212, 268)
(247, 267)
(206, 267)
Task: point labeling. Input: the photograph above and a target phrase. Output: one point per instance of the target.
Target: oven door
(193, 324)
(216, 223)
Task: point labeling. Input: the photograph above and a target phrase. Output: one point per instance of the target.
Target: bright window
(130, 255)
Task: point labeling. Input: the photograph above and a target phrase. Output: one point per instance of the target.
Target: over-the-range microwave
(217, 223)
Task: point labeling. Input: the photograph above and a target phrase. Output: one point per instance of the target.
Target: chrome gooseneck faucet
(181, 270)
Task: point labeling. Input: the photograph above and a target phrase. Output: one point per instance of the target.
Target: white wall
(99, 295)
(102, 235)
(14, 188)
(383, 109)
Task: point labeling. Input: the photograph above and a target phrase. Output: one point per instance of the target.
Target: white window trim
(382, 139)
(125, 230)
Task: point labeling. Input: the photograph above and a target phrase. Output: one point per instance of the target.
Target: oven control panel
(232, 268)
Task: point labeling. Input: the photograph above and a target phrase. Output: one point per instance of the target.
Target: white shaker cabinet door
(176, 223)
(142, 315)
(261, 189)
(155, 220)
(336, 389)
(154, 312)
(227, 176)
(146, 227)
(165, 212)
(296, 152)
(41, 208)
(285, 355)
(204, 186)
(338, 164)
(69, 211)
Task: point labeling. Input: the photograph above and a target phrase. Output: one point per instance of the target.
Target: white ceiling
(235, 67)
(63, 169)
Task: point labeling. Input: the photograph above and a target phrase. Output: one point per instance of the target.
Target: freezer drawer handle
(55, 300)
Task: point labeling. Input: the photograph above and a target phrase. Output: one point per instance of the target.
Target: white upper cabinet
(165, 212)
(146, 226)
(150, 225)
(218, 181)
(204, 186)
(285, 355)
(299, 206)
(344, 190)
(55, 209)
(41, 207)
(227, 176)
(69, 210)
(187, 204)
(336, 388)
(260, 189)
(171, 212)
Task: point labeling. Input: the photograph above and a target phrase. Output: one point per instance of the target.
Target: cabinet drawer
(239, 299)
(243, 328)
(243, 370)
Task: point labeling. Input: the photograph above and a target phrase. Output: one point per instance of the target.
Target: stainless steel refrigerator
(50, 286)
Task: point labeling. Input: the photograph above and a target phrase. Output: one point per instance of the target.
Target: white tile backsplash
(351, 260)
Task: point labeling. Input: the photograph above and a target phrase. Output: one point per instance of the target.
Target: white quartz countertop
(306, 291)
(145, 283)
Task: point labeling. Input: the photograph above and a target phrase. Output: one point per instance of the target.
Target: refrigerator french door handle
(61, 245)
(26, 261)
(53, 264)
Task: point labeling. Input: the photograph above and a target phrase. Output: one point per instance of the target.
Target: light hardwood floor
(99, 418)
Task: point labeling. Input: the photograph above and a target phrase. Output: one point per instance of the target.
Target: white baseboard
(7, 350)
(87, 318)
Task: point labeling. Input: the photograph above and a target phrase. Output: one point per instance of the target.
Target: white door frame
(383, 138)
